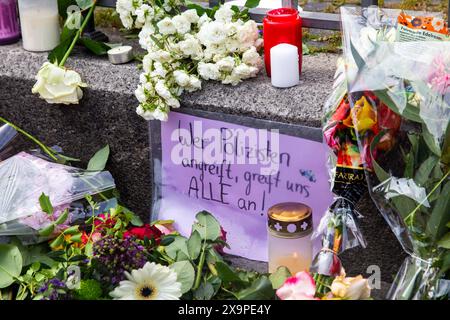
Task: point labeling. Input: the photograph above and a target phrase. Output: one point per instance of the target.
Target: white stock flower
(208, 71)
(194, 84)
(232, 79)
(248, 34)
(160, 56)
(212, 33)
(224, 14)
(181, 24)
(166, 26)
(144, 14)
(158, 70)
(226, 64)
(191, 15)
(58, 85)
(252, 58)
(245, 71)
(162, 90)
(190, 46)
(140, 94)
(145, 39)
(147, 63)
(173, 102)
(203, 19)
(181, 78)
(160, 115)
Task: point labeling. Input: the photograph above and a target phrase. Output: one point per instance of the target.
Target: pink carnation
(300, 287)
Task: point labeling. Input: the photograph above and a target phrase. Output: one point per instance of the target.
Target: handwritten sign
(253, 170)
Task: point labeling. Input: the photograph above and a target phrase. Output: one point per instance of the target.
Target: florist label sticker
(236, 173)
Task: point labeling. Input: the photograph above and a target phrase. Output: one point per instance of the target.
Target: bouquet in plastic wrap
(399, 97)
(29, 183)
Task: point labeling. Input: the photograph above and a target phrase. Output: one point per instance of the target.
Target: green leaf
(63, 217)
(204, 292)
(445, 241)
(45, 203)
(158, 43)
(72, 230)
(440, 214)
(76, 238)
(430, 142)
(10, 264)
(200, 10)
(207, 226)
(445, 158)
(379, 171)
(85, 4)
(35, 253)
(98, 161)
(261, 289)
(360, 63)
(251, 3)
(136, 221)
(179, 245)
(279, 277)
(410, 112)
(79, 257)
(56, 243)
(185, 274)
(96, 47)
(226, 274)
(47, 231)
(194, 245)
(425, 169)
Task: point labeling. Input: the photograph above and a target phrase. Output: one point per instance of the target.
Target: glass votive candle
(39, 21)
(290, 226)
(9, 22)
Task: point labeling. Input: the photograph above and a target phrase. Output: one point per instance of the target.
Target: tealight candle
(119, 55)
(289, 237)
(284, 65)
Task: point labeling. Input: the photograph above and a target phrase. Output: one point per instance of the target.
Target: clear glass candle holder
(39, 21)
(9, 22)
(290, 228)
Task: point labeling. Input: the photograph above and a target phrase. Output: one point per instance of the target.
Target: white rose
(252, 58)
(208, 71)
(226, 64)
(166, 26)
(181, 24)
(58, 85)
(160, 115)
(162, 90)
(224, 14)
(191, 15)
(181, 78)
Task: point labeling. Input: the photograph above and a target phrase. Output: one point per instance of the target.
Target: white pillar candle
(39, 21)
(284, 65)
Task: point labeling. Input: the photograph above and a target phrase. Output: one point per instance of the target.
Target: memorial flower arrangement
(184, 48)
(405, 158)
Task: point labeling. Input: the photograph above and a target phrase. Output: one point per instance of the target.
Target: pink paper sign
(237, 191)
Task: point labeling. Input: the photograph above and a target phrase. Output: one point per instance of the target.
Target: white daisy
(151, 282)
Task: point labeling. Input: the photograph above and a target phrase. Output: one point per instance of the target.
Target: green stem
(412, 214)
(78, 34)
(198, 276)
(29, 136)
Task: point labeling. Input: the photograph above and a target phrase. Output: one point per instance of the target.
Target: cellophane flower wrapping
(397, 67)
(24, 177)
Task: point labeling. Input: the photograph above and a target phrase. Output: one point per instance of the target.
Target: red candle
(282, 25)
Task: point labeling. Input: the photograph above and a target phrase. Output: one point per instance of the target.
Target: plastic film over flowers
(397, 67)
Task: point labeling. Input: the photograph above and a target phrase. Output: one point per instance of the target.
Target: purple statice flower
(112, 257)
(53, 289)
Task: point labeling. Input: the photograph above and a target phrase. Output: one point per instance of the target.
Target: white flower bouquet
(183, 48)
